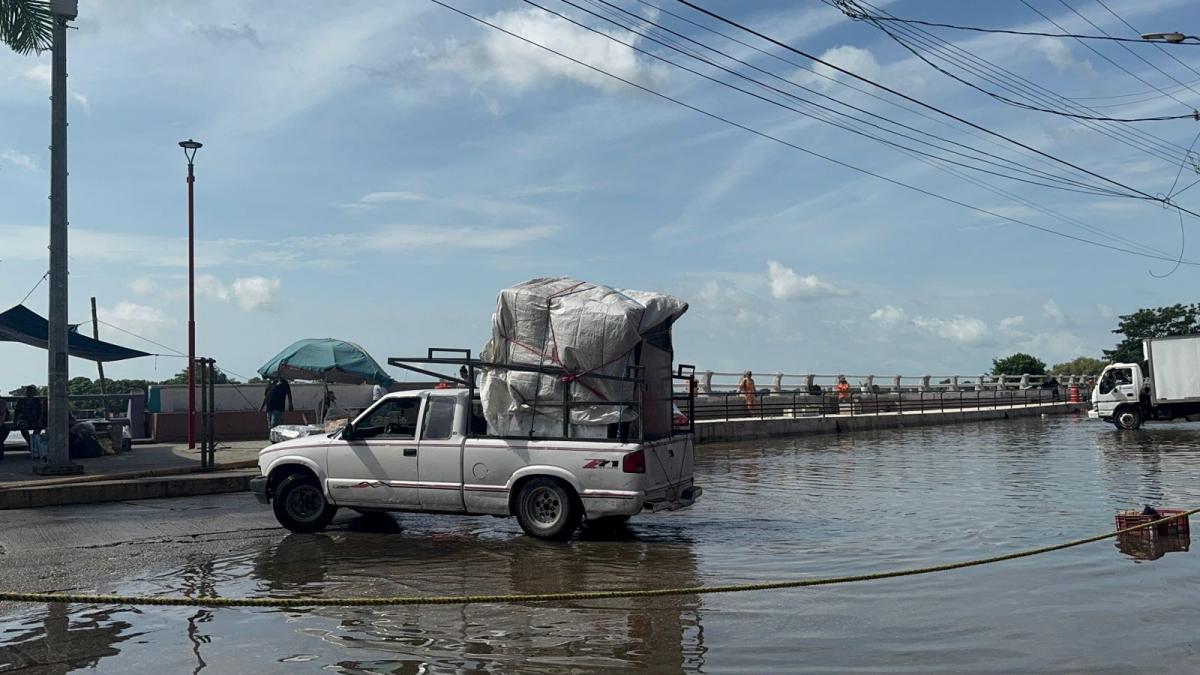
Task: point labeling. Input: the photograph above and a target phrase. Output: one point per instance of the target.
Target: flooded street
(772, 510)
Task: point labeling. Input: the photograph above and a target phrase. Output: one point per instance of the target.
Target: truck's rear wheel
(300, 505)
(547, 510)
(1128, 418)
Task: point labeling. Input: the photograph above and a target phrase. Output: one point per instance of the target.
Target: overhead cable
(776, 139)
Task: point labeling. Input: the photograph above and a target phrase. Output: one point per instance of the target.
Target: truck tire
(300, 506)
(1128, 418)
(547, 510)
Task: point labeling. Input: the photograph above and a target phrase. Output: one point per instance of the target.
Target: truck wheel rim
(305, 503)
(545, 506)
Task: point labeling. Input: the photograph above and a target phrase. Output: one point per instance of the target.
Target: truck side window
(439, 418)
(395, 418)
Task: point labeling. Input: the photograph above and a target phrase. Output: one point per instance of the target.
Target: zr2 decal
(600, 464)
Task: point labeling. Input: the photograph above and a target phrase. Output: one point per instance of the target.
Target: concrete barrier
(715, 431)
(126, 489)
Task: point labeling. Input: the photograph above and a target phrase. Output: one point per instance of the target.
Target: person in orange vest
(749, 392)
(843, 388)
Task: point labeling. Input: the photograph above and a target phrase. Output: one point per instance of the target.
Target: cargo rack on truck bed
(623, 432)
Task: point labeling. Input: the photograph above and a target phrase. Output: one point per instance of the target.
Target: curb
(156, 487)
(147, 473)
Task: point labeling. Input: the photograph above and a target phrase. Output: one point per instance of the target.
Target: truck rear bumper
(686, 498)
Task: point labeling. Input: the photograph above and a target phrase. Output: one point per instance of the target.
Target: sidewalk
(147, 471)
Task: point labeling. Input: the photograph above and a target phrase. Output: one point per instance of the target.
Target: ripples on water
(778, 509)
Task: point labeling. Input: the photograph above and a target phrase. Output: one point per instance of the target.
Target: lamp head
(189, 148)
(1167, 37)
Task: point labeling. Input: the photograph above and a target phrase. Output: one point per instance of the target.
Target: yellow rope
(545, 597)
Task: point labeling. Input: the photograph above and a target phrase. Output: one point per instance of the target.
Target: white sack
(581, 327)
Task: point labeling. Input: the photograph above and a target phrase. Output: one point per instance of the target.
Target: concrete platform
(146, 472)
(735, 429)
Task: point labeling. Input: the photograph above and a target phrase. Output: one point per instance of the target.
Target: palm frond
(26, 25)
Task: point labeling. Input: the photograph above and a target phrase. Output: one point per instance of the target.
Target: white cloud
(785, 284)
(255, 293)
(888, 315)
(964, 329)
(135, 318)
(519, 65)
(82, 100)
(208, 286)
(374, 199)
(39, 73)
(143, 286)
(1011, 323)
(19, 160)
(854, 59)
(1059, 55)
(1053, 311)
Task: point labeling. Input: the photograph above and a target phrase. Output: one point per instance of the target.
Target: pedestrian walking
(278, 393)
(377, 392)
(748, 390)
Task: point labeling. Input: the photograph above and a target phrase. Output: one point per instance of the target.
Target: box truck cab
(1127, 397)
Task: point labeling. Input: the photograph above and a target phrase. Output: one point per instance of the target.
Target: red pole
(191, 368)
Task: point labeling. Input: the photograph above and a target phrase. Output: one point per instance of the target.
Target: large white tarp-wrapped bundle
(586, 329)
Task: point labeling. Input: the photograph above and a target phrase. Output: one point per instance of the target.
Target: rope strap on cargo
(176, 601)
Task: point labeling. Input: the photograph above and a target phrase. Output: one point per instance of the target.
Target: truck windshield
(1114, 378)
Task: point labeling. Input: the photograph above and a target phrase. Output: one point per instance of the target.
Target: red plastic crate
(1175, 528)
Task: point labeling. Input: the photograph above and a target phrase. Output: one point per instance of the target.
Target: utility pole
(99, 364)
(57, 458)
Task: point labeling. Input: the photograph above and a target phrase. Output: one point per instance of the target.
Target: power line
(35, 287)
(1154, 42)
(794, 146)
(861, 90)
(1132, 136)
(860, 15)
(620, 24)
(142, 337)
(999, 97)
(1088, 189)
(1135, 54)
(1102, 55)
(894, 92)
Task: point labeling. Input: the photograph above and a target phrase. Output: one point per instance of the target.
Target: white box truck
(1125, 397)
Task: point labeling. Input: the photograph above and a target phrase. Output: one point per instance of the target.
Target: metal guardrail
(725, 406)
(713, 381)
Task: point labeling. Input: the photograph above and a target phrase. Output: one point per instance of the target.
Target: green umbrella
(326, 360)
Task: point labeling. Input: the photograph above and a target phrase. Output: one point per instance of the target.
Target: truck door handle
(410, 452)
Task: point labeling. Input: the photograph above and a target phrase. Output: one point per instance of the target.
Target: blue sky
(377, 171)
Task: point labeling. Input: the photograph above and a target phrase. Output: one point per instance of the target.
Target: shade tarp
(326, 360)
(20, 324)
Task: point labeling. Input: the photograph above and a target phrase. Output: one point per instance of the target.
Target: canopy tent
(20, 324)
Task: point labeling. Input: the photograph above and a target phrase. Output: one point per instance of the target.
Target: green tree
(26, 26)
(181, 378)
(1155, 322)
(1018, 364)
(1082, 365)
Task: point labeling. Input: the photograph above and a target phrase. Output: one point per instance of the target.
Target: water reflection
(52, 645)
(662, 635)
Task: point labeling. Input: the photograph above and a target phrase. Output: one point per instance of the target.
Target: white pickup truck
(429, 451)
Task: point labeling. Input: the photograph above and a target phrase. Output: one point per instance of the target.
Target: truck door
(378, 466)
(1119, 385)
(441, 447)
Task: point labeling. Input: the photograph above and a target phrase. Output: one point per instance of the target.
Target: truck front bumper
(258, 486)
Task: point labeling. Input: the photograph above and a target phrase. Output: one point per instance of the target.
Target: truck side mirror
(348, 432)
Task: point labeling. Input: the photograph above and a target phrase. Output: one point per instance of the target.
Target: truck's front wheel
(547, 510)
(300, 505)
(1128, 418)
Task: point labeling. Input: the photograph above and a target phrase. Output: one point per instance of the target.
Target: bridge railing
(715, 382)
(730, 405)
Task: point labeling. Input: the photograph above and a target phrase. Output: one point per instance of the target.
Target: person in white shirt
(377, 392)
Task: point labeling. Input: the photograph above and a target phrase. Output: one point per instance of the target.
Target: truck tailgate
(669, 467)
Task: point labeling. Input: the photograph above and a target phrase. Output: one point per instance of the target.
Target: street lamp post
(189, 150)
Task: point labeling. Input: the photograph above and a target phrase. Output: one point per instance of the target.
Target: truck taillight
(634, 462)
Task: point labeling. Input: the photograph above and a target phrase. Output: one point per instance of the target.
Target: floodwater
(781, 509)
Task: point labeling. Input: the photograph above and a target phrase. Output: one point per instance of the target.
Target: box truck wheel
(1127, 418)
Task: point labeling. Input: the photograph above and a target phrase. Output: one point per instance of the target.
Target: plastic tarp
(326, 360)
(585, 329)
(20, 324)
